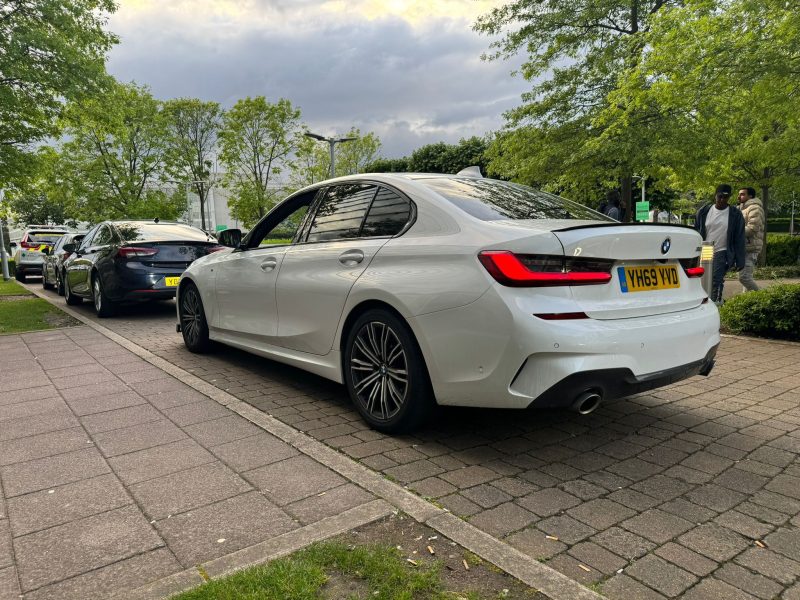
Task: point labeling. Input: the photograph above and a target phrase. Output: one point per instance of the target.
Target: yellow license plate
(643, 279)
(171, 281)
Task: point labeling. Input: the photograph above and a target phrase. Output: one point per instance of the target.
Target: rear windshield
(43, 237)
(161, 232)
(493, 200)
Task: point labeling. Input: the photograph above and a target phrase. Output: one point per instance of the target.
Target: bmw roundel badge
(665, 246)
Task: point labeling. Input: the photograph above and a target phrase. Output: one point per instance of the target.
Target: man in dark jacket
(724, 227)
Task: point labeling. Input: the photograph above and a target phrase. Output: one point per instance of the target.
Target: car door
(245, 278)
(80, 266)
(316, 275)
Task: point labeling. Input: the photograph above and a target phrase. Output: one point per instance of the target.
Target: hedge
(770, 312)
(782, 250)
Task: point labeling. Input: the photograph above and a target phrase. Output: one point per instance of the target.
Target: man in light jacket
(754, 224)
(723, 225)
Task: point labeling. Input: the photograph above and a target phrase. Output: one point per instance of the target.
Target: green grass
(379, 569)
(276, 242)
(12, 288)
(17, 316)
(781, 272)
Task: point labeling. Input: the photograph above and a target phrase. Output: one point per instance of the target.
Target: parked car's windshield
(132, 231)
(493, 200)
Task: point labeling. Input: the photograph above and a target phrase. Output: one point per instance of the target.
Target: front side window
(87, 241)
(492, 200)
(103, 237)
(388, 214)
(341, 212)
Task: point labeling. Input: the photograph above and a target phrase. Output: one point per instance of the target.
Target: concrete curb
(535, 574)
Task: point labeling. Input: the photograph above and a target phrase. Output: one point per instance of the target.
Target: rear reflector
(136, 252)
(507, 269)
(561, 316)
(695, 271)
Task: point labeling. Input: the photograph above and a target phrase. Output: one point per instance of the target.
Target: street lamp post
(3, 255)
(642, 179)
(331, 143)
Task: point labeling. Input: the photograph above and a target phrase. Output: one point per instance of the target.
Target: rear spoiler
(594, 225)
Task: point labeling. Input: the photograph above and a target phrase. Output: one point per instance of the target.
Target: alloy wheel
(98, 295)
(379, 370)
(191, 315)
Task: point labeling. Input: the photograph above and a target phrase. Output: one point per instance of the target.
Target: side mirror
(12, 245)
(69, 247)
(230, 238)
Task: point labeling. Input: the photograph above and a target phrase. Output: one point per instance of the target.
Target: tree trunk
(762, 257)
(627, 196)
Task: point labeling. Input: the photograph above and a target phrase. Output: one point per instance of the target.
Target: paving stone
(623, 543)
(240, 521)
(741, 480)
(610, 481)
(503, 519)
(151, 463)
(714, 589)
(120, 418)
(169, 399)
(660, 575)
(707, 462)
(548, 502)
(657, 525)
(622, 587)
(571, 567)
(743, 524)
(42, 445)
(433, 487)
(23, 478)
(746, 581)
(196, 412)
(601, 513)
(327, 504)
(597, 557)
(96, 404)
(778, 502)
(714, 541)
(9, 584)
(21, 410)
(459, 505)
(138, 437)
(688, 475)
(221, 431)
(41, 392)
(635, 469)
(293, 479)
(633, 499)
(561, 471)
(582, 489)
(70, 502)
(254, 451)
(686, 559)
(411, 472)
(6, 550)
(185, 490)
(785, 485)
(762, 513)
(81, 546)
(469, 476)
(662, 487)
(486, 496)
(535, 544)
(792, 593)
(715, 497)
(56, 420)
(117, 579)
(566, 529)
(785, 540)
(772, 456)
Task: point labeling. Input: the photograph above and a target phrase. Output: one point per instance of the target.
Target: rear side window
(388, 214)
(43, 237)
(492, 200)
(341, 212)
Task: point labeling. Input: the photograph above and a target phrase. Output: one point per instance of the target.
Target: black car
(53, 266)
(129, 261)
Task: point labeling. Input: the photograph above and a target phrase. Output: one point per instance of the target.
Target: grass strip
(12, 288)
(18, 316)
(373, 571)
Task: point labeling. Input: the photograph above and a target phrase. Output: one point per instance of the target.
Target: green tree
(313, 161)
(42, 197)
(387, 165)
(577, 51)
(257, 140)
(193, 126)
(51, 51)
(116, 156)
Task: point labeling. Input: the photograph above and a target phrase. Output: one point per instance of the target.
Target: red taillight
(695, 271)
(561, 316)
(128, 252)
(29, 245)
(211, 249)
(508, 270)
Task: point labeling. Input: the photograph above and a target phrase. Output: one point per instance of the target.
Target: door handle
(269, 264)
(351, 257)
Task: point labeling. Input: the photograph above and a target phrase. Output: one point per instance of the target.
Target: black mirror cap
(230, 238)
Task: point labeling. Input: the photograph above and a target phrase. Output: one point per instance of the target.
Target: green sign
(221, 227)
(642, 211)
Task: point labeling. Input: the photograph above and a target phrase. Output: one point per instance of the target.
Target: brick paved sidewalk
(115, 474)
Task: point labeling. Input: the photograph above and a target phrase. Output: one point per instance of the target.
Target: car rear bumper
(131, 284)
(498, 354)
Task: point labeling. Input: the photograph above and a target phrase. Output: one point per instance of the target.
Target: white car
(29, 253)
(416, 289)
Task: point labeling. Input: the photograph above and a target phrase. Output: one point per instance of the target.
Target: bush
(782, 250)
(771, 312)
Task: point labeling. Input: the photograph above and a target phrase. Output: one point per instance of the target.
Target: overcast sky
(409, 70)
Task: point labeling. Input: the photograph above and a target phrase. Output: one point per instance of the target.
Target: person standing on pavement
(754, 224)
(724, 227)
(612, 205)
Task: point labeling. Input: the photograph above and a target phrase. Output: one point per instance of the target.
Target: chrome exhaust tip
(587, 402)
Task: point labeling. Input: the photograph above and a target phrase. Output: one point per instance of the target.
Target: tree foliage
(439, 157)
(115, 159)
(256, 141)
(51, 51)
(41, 197)
(312, 161)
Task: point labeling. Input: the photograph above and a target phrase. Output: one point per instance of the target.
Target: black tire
(19, 275)
(385, 373)
(102, 305)
(59, 283)
(192, 316)
(70, 298)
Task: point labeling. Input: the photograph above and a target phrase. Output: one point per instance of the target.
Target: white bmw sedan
(416, 289)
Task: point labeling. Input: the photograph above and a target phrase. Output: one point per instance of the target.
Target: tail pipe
(587, 402)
